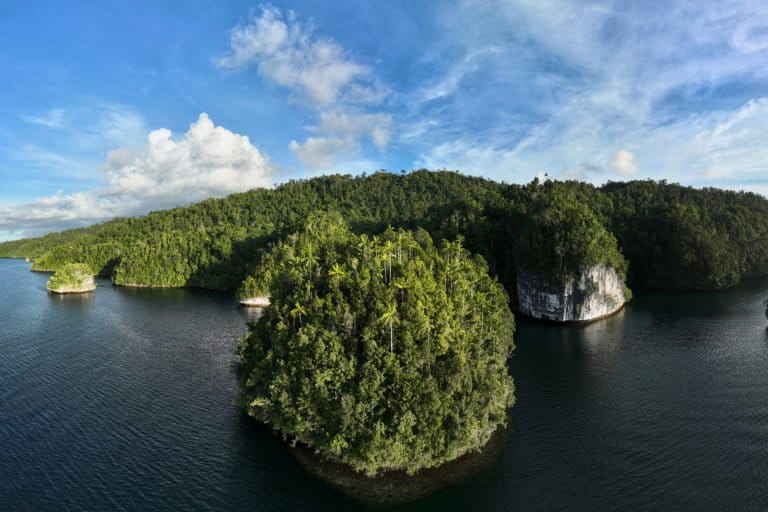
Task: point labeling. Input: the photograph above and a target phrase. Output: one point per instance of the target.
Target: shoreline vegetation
(397, 487)
(387, 322)
(384, 354)
(658, 235)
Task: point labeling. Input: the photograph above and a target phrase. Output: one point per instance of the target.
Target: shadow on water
(260, 463)
(397, 487)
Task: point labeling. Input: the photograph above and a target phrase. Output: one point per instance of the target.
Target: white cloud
(207, 161)
(340, 135)
(116, 125)
(751, 36)
(54, 118)
(321, 152)
(291, 55)
(623, 162)
(668, 80)
(449, 84)
(323, 75)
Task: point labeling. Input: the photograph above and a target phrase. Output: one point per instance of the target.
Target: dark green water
(120, 400)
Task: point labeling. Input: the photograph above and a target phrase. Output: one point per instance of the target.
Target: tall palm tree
(388, 248)
(389, 318)
(298, 311)
(364, 243)
(337, 272)
(309, 258)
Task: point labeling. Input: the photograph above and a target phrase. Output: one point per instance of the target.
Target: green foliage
(673, 237)
(558, 235)
(381, 352)
(101, 258)
(72, 276)
(682, 238)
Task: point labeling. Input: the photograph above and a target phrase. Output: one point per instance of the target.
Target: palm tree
(337, 272)
(389, 318)
(364, 244)
(388, 249)
(412, 244)
(402, 284)
(299, 311)
(309, 257)
(399, 245)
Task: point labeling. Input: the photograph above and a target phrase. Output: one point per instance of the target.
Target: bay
(121, 399)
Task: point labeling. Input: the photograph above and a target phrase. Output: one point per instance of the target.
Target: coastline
(70, 292)
(397, 487)
(575, 323)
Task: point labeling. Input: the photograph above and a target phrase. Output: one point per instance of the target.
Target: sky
(117, 108)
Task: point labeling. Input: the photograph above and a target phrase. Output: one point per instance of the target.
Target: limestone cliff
(596, 292)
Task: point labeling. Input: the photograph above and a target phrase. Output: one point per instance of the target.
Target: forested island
(654, 234)
(383, 353)
(387, 327)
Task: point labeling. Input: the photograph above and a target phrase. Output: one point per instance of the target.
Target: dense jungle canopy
(383, 352)
(671, 236)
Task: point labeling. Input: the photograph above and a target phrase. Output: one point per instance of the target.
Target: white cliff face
(597, 292)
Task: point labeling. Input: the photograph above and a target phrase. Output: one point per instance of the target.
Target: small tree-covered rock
(72, 278)
(384, 353)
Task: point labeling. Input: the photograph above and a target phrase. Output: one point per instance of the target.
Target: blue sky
(118, 108)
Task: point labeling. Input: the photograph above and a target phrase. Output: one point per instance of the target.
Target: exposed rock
(261, 301)
(72, 278)
(65, 290)
(597, 292)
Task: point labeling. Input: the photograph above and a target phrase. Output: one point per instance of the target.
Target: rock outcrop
(261, 301)
(65, 290)
(597, 292)
(72, 278)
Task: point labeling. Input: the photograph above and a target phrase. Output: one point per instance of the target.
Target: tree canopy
(672, 236)
(382, 352)
(558, 235)
(72, 277)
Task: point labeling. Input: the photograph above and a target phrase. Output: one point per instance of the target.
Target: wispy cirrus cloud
(601, 90)
(54, 118)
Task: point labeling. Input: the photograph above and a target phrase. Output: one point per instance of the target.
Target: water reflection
(75, 301)
(251, 314)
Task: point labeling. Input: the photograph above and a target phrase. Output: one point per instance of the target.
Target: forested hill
(662, 235)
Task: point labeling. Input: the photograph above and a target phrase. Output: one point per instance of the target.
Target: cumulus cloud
(291, 55)
(340, 135)
(623, 162)
(319, 72)
(207, 161)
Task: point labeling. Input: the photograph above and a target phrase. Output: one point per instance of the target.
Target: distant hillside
(672, 236)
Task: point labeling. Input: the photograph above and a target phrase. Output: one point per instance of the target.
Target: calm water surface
(121, 400)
